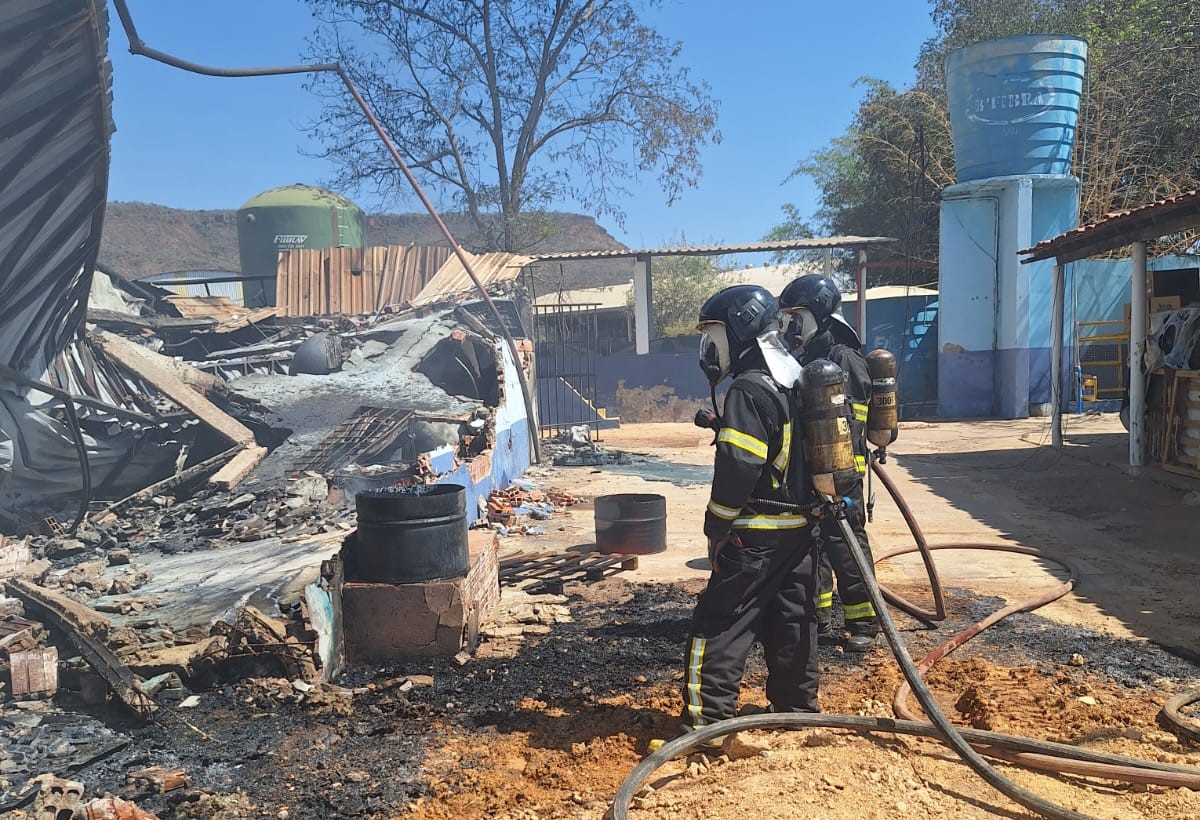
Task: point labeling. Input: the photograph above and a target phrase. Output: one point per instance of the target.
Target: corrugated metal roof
(1120, 228)
(55, 123)
(452, 279)
(717, 250)
(774, 278)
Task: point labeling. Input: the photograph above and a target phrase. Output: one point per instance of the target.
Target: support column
(643, 305)
(828, 268)
(861, 304)
(1056, 356)
(1138, 304)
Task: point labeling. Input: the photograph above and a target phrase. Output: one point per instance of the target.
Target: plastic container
(631, 523)
(1014, 105)
(409, 535)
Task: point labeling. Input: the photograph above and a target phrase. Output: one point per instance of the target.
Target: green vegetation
(1136, 142)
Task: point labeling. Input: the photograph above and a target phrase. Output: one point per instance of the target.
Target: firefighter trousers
(764, 590)
(834, 558)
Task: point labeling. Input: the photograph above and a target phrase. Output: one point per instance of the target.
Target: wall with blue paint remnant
(993, 316)
(510, 456)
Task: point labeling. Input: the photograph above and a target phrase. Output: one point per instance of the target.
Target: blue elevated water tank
(1014, 105)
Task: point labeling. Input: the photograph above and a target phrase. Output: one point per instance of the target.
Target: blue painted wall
(511, 455)
(993, 315)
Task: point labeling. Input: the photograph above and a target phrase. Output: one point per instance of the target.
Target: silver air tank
(828, 449)
(882, 417)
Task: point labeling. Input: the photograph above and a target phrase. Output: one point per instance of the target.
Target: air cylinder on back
(828, 449)
(882, 417)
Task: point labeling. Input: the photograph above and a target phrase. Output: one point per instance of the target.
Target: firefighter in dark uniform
(815, 330)
(763, 583)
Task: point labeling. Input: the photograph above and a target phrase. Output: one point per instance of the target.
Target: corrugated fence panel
(352, 281)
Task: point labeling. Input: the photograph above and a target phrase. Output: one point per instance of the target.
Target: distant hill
(141, 239)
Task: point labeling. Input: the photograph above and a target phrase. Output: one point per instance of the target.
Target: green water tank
(290, 217)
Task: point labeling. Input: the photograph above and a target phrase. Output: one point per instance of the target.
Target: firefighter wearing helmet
(815, 330)
(763, 582)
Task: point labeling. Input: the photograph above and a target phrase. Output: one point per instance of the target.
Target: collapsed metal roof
(55, 123)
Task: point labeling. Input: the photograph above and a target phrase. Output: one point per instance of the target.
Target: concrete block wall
(993, 355)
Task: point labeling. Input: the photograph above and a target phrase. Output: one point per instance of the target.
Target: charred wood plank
(80, 623)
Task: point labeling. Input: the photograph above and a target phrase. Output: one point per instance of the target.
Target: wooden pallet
(551, 572)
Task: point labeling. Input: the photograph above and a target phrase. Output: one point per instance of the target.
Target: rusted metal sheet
(452, 278)
(353, 281)
(55, 123)
(227, 315)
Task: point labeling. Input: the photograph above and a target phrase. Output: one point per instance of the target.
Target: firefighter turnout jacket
(757, 475)
(763, 584)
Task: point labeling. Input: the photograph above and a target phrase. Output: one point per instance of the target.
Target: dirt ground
(1131, 627)
(565, 691)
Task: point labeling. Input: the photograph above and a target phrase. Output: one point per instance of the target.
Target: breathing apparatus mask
(715, 358)
(801, 326)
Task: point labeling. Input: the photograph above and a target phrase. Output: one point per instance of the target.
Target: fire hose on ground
(967, 743)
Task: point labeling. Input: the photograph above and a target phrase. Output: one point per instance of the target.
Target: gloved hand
(707, 419)
(715, 545)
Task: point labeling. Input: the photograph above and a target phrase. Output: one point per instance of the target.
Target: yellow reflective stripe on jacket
(860, 412)
(739, 439)
(691, 688)
(770, 522)
(785, 453)
(860, 464)
(854, 612)
(722, 512)
(824, 600)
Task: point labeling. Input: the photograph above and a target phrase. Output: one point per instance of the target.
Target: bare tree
(507, 106)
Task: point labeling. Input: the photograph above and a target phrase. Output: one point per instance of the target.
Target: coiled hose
(1054, 757)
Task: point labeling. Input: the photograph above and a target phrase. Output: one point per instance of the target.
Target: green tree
(881, 178)
(1136, 140)
(508, 106)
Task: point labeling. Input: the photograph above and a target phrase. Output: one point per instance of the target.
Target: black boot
(862, 634)
(825, 634)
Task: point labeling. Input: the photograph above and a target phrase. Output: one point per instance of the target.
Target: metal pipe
(1137, 350)
(861, 307)
(1056, 356)
(138, 47)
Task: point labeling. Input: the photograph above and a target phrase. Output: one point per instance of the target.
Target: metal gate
(567, 349)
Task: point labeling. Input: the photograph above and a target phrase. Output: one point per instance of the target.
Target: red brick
(382, 622)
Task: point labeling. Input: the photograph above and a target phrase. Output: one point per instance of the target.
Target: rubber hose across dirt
(1172, 713)
(1042, 755)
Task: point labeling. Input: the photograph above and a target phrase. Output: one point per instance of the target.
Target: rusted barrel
(409, 534)
(631, 523)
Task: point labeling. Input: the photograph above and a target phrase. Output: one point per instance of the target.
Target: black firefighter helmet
(731, 321)
(819, 296)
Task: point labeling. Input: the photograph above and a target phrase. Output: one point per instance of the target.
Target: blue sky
(784, 71)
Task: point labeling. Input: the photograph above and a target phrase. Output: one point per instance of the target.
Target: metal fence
(566, 348)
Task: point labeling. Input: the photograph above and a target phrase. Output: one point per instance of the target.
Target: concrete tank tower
(1014, 109)
(294, 216)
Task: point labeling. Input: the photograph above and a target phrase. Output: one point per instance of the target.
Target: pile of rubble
(511, 510)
